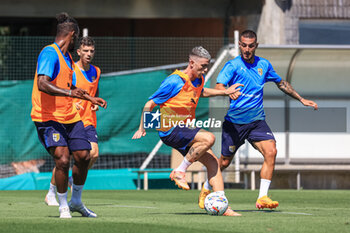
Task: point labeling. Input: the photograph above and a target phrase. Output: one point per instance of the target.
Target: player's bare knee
(82, 157)
(94, 153)
(209, 140)
(270, 156)
(63, 163)
(224, 165)
(85, 155)
(224, 162)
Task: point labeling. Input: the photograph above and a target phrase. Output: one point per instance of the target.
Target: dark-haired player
(245, 118)
(58, 122)
(86, 76)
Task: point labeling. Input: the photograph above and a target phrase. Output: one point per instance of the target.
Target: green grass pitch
(177, 211)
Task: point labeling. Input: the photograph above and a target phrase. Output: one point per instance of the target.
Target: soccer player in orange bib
(58, 122)
(86, 76)
(178, 97)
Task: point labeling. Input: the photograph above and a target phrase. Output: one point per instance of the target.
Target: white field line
(293, 213)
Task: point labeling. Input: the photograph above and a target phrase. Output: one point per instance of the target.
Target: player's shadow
(190, 213)
(182, 213)
(50, 216)
(259, 211)
(244, 211)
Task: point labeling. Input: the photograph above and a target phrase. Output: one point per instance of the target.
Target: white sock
(207, 185)
(62, 199)
(221, 192)
(76, 193)
(183, 166)
(52, 190)
(264, 187)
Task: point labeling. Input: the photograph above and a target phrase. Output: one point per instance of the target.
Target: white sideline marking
(130, 206)
(292, 213)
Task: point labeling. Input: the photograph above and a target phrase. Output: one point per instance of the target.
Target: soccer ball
(215, 204)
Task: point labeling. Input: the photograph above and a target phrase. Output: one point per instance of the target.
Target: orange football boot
(266, 202)
(230, 212)
(179, 178)
(204, 193)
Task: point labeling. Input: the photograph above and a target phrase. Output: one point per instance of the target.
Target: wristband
(70, 93)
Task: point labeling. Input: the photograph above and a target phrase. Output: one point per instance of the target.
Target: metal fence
(18, 55)
(18, 58)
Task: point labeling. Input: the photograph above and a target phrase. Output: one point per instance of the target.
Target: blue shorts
(53, 134)
(91, 133)
(234, 135)
(179, 138)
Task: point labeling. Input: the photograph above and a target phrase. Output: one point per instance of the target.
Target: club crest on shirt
(260, 71)
(56, 137)
(93, 78)
(232, 148)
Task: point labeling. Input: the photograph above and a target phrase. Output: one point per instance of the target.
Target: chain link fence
(18, 58)
(18, 55)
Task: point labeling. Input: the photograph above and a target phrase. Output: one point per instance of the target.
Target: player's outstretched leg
(201, 141)
(215, 177)
(266, 202)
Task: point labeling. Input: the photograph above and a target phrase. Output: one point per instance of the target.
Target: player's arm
(141, 132)
(47, 87)
(225, 77)
(287, 88)
(221, 86)
(95, 107)
(209, 92)
(94, 100)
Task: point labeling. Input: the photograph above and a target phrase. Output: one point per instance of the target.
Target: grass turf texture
(177, 211)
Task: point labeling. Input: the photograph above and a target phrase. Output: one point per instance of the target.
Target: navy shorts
(53, 134)
(91, 133)
(234, 135)
(179, 138)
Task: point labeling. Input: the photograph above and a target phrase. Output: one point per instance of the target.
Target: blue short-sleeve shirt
(249, 106)
(92, 72)
(49, 64)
